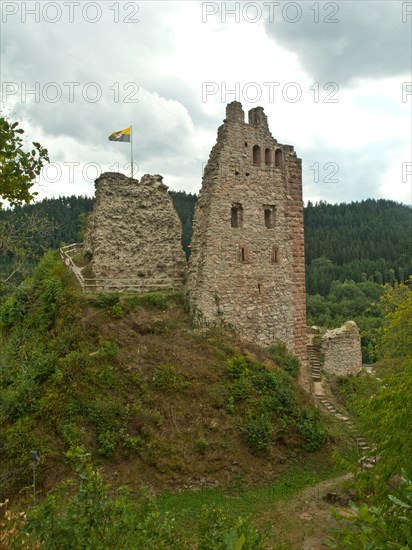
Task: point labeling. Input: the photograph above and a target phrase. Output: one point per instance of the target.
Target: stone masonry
(134, 233)
(247, 262)
(342, 350)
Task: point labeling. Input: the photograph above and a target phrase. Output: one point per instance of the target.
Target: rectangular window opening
(269, 215)
(243, 254)
(236, 215)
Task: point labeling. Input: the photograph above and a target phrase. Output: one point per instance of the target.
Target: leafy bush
(238, 367)
(310, 428)
(117, 311)
(49, 300)
(155, 300)
(280, 395)
(15, 307)
(167, 379)
(387, 525)
(219, 531)
(109, 349)
(283, 358)
(81, 515)
(106, 300)
(259, 431)
(201, 445)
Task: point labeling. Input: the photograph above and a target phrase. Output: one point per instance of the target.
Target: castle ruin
(247, 251)
(134, 235)
(342, 350)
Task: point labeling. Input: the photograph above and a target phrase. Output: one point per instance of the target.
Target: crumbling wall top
(234, 112)
(258, 118)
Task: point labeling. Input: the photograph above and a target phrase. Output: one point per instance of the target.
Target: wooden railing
(66, 253)
(115, 284)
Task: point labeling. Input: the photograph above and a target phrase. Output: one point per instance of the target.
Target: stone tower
(247, 262)
(134, 235)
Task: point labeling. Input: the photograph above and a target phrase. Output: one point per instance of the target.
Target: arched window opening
(278, 157)
(257, 159)
(275, 255)
(268, 156)
(236, 215)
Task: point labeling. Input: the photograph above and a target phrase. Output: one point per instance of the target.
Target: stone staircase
(366, 461)
(314, 363)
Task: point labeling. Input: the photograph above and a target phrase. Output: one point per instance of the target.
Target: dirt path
(305, 520)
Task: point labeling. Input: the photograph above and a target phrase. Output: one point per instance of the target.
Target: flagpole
(131, 146)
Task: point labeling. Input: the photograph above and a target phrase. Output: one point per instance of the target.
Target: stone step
(368, 461)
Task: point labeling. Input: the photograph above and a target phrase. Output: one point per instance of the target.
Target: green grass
(245, 501)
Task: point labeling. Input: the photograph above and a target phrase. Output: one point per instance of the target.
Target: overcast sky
(334, 79)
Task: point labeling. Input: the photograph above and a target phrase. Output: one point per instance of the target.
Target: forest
(359, 241)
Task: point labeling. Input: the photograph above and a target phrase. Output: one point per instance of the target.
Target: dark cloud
(369, 39)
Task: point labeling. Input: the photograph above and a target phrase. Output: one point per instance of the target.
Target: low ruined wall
(134, 233)
(342, 350)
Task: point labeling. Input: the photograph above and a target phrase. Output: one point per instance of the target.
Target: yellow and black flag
(122, 135)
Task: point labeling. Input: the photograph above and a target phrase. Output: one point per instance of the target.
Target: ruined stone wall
(342, 350)
(134, 233)
(247, 261)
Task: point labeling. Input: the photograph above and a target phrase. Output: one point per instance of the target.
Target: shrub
(238, 367)
(168, 380)
(219, 531)
(155, 300)
(311, 429)
(386, 525)
(259, 431)
(15, 307)
(106, 300)
(201, 445)
(109, 350)
(117, 311)
(283, 358)
(230, 407)
(81, 515)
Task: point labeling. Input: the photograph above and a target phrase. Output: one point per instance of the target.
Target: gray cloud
(172, 125)
(368, 41)
(353, 173)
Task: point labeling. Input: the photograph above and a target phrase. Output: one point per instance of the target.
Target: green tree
(386, 520)
(18, 168)
(396, 339)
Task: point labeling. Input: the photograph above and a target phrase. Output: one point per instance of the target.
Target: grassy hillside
(151, 398)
